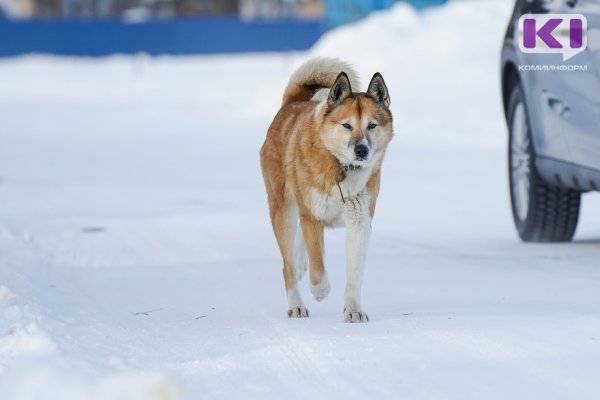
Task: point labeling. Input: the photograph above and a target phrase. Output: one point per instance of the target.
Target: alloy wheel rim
(520, 162)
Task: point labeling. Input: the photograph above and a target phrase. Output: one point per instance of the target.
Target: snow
(137, 259)
(21, 337)
(32, 369)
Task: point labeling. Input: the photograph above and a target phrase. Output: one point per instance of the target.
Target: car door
(542, 88)
(580, 95)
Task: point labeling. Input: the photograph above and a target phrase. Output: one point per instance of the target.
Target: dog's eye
(347, 126)
(371, 126)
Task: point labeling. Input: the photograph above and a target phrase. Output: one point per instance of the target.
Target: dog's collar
(342, 171)
(351, 167)
(341, 175)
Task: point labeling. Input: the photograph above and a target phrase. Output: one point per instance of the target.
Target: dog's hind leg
(300, 260)
(284, 216)
(313, 236)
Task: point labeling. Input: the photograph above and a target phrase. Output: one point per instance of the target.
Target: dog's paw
(321, 289)
(355, 316)
(297, 312)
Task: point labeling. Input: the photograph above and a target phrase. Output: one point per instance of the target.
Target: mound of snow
(31, 368)
(19, 335)
(54, 379)
(441, 67)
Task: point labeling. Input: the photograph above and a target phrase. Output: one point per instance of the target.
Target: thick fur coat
(321, 163)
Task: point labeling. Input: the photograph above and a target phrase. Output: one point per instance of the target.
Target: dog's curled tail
(316, 74)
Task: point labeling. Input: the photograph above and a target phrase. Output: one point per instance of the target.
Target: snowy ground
(137, 259)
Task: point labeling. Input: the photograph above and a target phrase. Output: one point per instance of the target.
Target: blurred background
(312, 9)
(335, 11)
(101, 27)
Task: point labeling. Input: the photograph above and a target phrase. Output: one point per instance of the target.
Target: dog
(321, 164)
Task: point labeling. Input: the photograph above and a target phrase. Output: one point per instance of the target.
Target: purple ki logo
(553, 33)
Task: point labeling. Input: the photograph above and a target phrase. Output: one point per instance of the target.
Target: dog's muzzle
(361, 151)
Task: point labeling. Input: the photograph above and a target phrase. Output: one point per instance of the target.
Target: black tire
(542, 212)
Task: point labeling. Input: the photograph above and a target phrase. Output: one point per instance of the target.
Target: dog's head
(357, 127)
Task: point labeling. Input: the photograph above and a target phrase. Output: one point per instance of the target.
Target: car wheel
(542, 212)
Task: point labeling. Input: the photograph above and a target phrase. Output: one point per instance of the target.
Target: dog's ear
(340, 90)
(378, 91)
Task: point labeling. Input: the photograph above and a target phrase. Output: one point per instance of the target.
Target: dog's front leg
(358, 231)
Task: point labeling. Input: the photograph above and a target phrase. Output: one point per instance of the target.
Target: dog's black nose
(361, 151)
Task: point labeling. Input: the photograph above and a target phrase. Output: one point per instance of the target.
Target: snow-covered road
(137, 259)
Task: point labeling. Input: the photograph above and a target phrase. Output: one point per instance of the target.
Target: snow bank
(32, 369)
(20, 336)
(441, 66)
(53, 379)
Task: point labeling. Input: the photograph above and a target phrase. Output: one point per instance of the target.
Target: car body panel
(563, 106)
(582, 93)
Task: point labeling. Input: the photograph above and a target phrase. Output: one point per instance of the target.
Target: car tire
(542, 212)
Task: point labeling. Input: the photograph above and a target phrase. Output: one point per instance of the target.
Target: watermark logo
(553, 33)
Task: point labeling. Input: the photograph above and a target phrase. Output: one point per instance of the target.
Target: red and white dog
(321, 163)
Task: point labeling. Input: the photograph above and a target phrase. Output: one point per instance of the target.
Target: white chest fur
(328, 207)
